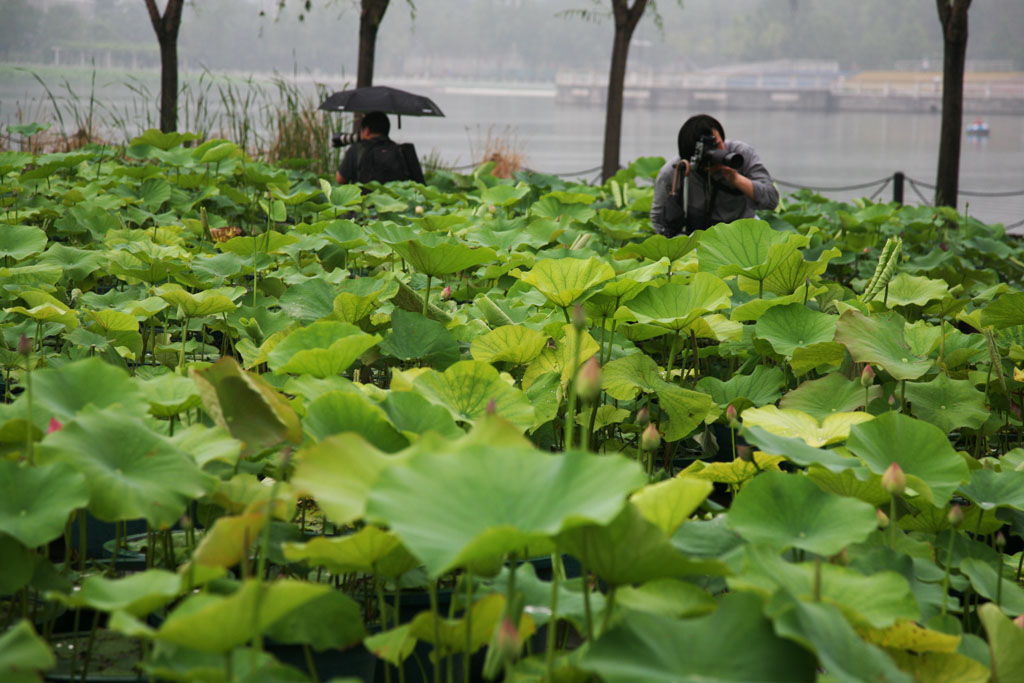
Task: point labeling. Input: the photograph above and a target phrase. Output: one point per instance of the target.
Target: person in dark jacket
(716, 194)
(376, 157)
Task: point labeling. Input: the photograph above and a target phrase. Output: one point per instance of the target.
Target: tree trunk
(626, 19)
(371, 13)
(953, 17)
(166, 28)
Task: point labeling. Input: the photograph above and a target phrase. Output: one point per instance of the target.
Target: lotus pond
(254, 425)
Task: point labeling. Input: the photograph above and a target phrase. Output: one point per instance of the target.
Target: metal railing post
(897, 187)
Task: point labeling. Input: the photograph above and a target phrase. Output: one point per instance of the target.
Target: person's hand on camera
(735, 178)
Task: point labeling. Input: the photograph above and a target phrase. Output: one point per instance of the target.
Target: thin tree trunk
(166, 28)
(626, 19)
(953, 17)
(370, 16)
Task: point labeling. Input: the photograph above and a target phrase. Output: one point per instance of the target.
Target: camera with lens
(706, 154)
(342, 139)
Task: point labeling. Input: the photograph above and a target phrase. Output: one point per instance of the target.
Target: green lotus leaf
(794, 326)
(246, 406)
(437, 255)
(170, 394)
(669, 503)
(338, 473)
(1006, 310)
(790, 274)
(623, 378)
(333, 621)
(394, 645)
(646, 647)
(876, 601)
(163, 141)
(667, 597)
(360, 297)
(337, 412)
(467, 387)
(747, 247)
(77, 264)
(922, 450)
(911, 290)
(880, 339)
(948, 404)
(830, 394)
(566, 280)
(137, 594)
(219, 266)
(624, 287)
(45, 308)
(215, 151)
(32, 276)
(472, 631)
(550, 207)
(985, 580)
(797, 450)
(207, 302)
(572, 346)
(822, 629)
(676, 306)
(208, 444)
(491, 500)
(845, 482)
(658, 247)
(65, 392)
(19, 565)
(943, 667)
(762, 386)
(504, 195)
(23, 654)
(800, 425)
(686, 410)
(211, 623)
(35, 502)
(817, 356)
(1006, 642)
(324, 349)
(415, 337)
(370, 550)
(411, 413)
(230, 540)
(604, 416)
(310, 300)
(131, 471)
(790, 511)
(271, 242)
(990, 489)
(516, 344)
(21, 241)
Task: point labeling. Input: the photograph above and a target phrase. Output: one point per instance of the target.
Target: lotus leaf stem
(892, 522)
(549, 656)
(88, 648)
(436, 621)
(945, 578)
(426, 297)
(588, 614)
(468, 578)
(817, 578)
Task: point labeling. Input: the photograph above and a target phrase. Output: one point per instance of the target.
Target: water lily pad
(566, 280)
(35, 501)
(490, 500)
(790, 511)
(793, 326)
(323, 349)
(798, 424)
(880, 339)
(516, 344)
(948, 404)
(646, 647)
(131, 471)
(467, 388)
(922, 450)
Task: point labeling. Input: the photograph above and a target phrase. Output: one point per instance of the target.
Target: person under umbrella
(375, 156)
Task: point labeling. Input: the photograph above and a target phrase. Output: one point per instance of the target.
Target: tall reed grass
(504, 149)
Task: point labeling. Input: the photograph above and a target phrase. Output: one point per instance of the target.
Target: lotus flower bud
(1019, 621)
(419, 210)
(507, 639)
(55, 426)
(650, 439)
(579, 318)
(588, 381)
(955, 515)
(24, 346)
(894, 481)
(883, 519)
(731, 417)
(1000, 540)
(492, 407)
(492, 208)
(446, 293)
(867, 377)
(643, 417)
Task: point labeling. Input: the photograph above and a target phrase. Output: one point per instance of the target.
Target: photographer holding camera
(713, 180)
(375, 156)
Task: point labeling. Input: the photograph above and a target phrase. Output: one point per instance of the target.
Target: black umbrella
(382, 98)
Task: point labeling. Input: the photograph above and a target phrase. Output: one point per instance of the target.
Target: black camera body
(706, 154)
(342, 139)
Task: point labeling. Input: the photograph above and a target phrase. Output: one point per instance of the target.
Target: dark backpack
(383, 161)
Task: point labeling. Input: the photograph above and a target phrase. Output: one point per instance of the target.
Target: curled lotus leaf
(516, 344)
(798, 424)
(566, 280)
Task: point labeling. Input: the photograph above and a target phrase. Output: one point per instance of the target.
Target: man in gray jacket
(715, 193)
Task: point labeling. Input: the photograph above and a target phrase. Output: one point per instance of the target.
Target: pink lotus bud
(579, 318)
(588, 381)
(1000, 540)
(731, 417)
(894, 481)
(867, 250)
(55, 426)
(1019, 621)
(643, 417)
(650, 439)
(492, 407)
(942, 246)
(955, 515)
(446, 293)
(507, 639)
(419, 210)
(867, 377)
(24, 345)
(492, 208)
(892, 399)
(883, 519)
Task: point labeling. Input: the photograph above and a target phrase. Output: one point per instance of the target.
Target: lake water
(820, 150)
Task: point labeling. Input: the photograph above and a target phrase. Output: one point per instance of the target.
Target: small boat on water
(978, 127)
